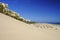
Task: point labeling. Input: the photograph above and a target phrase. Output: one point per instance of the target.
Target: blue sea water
(51, 23)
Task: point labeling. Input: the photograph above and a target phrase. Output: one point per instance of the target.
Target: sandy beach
(12, 29)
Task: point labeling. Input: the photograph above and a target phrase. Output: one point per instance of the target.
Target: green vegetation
(31, 22)
(4, 9)
(1, 8)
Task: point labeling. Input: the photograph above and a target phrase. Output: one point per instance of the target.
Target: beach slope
(12, 29)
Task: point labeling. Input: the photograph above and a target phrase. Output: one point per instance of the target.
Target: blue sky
(36, 10)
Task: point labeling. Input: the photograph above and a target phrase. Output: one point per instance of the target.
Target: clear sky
(36, 10)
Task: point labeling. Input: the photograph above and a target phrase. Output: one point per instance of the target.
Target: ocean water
(57, 24)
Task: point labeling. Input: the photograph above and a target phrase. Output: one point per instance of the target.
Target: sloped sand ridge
(47, 26)
(12, 29)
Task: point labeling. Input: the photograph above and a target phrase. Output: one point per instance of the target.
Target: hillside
(12, 29)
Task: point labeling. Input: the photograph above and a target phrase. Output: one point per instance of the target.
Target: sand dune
(47, 26)
(12, 29)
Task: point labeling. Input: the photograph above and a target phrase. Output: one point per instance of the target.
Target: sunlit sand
(12, 29)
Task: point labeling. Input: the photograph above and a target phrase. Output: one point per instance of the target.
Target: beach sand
(12, 29)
